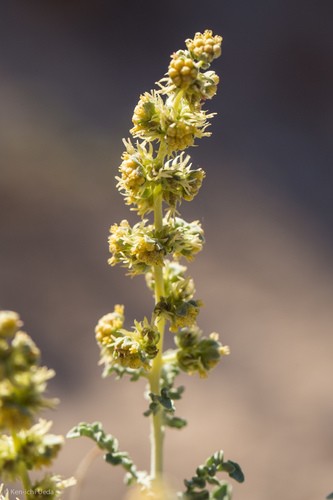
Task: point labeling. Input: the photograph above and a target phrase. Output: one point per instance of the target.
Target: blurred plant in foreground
(155, 176)
(25, 445)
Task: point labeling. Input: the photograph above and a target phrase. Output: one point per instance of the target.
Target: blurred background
(70, 75)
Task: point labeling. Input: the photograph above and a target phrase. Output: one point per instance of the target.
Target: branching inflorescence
(155, 176)
(25, 445)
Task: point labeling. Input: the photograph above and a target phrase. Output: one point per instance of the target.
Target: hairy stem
(157, 431)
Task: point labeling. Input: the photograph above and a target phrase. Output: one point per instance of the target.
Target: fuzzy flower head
(124, 348)
(109, 324)
(176, 124)
(140, 247)
(148, 116)
(141, 174)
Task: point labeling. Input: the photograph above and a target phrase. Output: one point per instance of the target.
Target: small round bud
(182, 70)
(205, 47)
(132, 176)
(179, 135)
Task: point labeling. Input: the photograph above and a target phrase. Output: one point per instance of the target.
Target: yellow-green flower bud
(178, 305)
(179, 135)
(182, 70)
(197, 354)
(148, 115)
(122, 348)
(131, 173)
(108, 325)
(185, 238)
(205, 47)
(148, 251)
(145, 111)
(127, 353)
(207, 84)
(9, 324)
(135, 247)
(148, 337)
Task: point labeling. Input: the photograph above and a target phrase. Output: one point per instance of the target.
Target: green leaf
(109, 444)
(175, 422)
(196, 495)
(165, 400)
(175, 393)
(207, 473)
(222, 493)
(95, 432)
(235, 471)
(120, 371)
(329, 496)
(113, 459)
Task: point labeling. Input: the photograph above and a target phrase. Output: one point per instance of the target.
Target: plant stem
(157, 430)
(82, 470)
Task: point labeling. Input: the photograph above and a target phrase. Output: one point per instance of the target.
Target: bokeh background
(70, 75)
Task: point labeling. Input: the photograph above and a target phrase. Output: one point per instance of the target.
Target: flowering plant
(155, 176)
(25, 445)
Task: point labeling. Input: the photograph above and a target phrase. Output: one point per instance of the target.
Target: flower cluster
(142, 246)
(155, 167)
(178, 305)
(128, 349)
(141, 175)
(175, 124)
(196, 353)
(167, 121)
(205, 47)
(185, 69)
(22, 384)
(23, 381)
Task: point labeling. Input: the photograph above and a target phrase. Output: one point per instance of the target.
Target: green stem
(157, 430)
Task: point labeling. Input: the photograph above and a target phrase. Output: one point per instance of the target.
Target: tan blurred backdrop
(70, 75)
